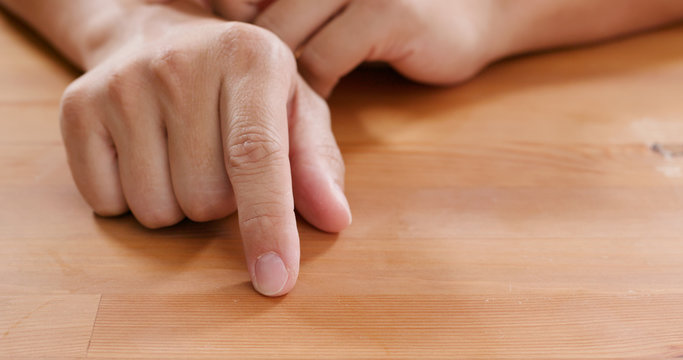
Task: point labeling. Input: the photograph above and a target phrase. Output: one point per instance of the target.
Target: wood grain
(522, 215)
(431, 327)
(43, 326)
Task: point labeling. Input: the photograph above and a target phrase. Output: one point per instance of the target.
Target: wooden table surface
(522, 215)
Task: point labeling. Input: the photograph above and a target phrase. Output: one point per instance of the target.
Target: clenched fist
(199, 118)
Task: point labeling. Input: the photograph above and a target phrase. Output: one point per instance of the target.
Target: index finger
(254, 130)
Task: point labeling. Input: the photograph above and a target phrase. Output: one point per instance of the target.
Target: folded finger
(134, 121)
(90, 152)
(200, 181)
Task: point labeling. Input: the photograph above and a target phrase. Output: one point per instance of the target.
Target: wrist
(101, 33)
(530, 25)
(533, 24)
(504, 35)
(130, 24)
(494, 31)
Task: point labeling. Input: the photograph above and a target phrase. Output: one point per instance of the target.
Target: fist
(202, 119)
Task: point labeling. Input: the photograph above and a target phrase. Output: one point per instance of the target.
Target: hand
(200, 117)
(437, 41)
(431, 41)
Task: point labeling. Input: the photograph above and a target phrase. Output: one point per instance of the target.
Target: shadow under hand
(220, 241)
(176, 246)
(374, 102)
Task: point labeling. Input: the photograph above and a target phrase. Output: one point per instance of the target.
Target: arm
(540, 24)
(79, 29)
(439, 41)
(181, 114)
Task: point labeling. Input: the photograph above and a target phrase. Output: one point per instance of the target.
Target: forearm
(77, 28)
(89, 31)
(530, 25)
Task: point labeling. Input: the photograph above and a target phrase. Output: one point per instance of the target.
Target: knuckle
(253, 48)
(244, 36)
(73, 107)
(172, 67)
(252, 148)
(123, 88)
(75, 97)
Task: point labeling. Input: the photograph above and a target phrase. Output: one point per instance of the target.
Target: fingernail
(270, 274)
(341, 197)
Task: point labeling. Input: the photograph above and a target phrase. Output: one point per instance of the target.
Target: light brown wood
(38, 326)
(521, 215)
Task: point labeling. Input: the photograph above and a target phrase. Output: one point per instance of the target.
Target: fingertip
(346, 217)
(271, 247)
(271, 276)
(337, 215)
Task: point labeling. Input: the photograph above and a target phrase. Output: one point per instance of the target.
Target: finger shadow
(175, 247)
(314, 243)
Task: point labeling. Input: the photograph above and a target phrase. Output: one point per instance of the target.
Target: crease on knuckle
(252, 148)
(240, 42)
(263, 216)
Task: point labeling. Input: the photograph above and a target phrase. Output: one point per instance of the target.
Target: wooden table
(522, 215)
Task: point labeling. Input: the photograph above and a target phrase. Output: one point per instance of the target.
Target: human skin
(182, 114)
(439, 42)
(152, 71)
